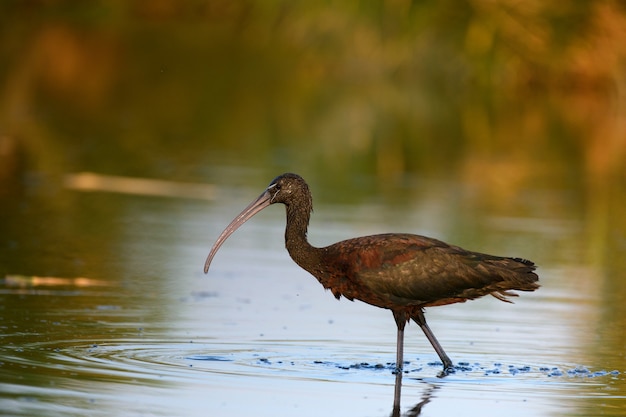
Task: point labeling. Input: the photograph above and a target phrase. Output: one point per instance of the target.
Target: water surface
(144, 332)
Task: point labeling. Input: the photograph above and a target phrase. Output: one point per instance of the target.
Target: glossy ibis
(400, 272)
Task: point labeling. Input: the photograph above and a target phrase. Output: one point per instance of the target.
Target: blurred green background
(383, 88)
(361, 97)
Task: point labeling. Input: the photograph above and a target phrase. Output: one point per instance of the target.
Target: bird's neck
(299, 248)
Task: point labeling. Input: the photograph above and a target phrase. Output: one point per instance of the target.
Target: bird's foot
(448, 368)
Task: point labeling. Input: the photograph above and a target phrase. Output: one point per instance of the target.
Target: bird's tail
(521, 278)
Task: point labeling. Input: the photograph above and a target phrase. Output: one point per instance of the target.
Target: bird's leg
(419, 318)
(401, 319)
(397, 395)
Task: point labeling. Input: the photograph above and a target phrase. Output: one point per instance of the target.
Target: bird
(401, 272)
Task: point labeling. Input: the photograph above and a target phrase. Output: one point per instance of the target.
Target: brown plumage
(400, 272)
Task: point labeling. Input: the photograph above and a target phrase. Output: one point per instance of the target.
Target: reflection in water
(397, 394)
(24, 281)
(87, 181)
(427, 396)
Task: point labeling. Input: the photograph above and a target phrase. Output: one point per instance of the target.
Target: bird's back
(396, 270)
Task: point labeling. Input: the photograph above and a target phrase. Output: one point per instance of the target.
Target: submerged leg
(421, 321)
(396, 395)
(401, 319)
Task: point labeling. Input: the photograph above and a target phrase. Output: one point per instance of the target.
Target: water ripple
(154, 357)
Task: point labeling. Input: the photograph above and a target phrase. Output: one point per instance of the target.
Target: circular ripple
(154, 360)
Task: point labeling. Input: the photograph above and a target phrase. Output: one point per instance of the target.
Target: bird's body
(400, 272)
(397, 271)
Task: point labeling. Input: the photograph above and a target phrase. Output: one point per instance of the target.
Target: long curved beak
(253, 208)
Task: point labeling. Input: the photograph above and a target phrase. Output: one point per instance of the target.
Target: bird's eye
(274, 189)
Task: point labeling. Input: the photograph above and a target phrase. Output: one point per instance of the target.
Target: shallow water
(147, 333)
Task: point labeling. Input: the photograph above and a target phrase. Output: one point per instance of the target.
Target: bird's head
(288, 189)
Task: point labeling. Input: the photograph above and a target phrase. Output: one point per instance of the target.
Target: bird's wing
(416, 270)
